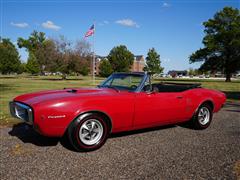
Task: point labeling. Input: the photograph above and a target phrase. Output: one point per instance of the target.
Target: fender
(203, 101)
(85, 112)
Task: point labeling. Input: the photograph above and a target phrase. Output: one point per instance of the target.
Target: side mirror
(150, 92)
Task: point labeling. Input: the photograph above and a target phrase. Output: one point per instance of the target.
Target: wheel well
(210, 103)
(104, 116)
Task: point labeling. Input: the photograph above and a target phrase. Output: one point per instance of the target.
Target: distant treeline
(45, 55)
(60, 56)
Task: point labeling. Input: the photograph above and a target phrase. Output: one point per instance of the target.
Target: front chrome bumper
(21, 111)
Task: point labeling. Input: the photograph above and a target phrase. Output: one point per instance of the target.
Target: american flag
(90, 32)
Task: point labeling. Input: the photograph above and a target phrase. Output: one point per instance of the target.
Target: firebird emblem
(54, 117)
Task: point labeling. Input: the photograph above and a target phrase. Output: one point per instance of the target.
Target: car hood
(68, 93)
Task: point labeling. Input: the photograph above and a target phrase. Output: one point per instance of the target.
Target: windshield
(128, 82)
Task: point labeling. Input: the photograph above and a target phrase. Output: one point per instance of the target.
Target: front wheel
(203, 117)
(88, 132)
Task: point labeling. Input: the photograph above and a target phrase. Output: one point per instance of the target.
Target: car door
(159, 108)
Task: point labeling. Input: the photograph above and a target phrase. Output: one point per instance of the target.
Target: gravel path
(172, 152)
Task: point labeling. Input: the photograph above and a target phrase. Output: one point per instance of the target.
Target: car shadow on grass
(28, 135)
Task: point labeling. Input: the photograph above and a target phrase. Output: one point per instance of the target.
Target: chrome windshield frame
(140, 86)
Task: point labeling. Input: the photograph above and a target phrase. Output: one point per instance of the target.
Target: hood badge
(55, 117)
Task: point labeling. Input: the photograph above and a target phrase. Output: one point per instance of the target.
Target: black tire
(78, 138)
(198, 122)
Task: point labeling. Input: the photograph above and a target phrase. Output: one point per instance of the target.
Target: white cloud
(166, 60)
(165, 5)
(20, 25)
(127, 22)
(105, 22)
(50, 25)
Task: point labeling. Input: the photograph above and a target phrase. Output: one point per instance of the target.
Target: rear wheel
(203, 117)
(88, 132)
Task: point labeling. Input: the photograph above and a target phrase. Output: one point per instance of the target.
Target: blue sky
(172, 27)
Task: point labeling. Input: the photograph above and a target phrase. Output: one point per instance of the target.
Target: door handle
(179, 97)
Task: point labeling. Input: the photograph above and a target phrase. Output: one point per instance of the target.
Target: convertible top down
(123, 102)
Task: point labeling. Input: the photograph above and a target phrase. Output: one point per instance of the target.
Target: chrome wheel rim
(91, 132)
(203, 116)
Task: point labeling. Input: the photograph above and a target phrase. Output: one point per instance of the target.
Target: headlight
(21, 111)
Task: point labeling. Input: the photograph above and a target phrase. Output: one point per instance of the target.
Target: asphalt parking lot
(173, 152)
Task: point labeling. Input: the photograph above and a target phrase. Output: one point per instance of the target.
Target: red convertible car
(123, 102)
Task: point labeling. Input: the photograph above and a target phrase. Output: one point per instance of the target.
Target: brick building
(138, 64)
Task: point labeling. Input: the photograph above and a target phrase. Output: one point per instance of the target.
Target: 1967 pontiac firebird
(123, 102)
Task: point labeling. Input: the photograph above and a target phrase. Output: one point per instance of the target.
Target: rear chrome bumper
(21, 111)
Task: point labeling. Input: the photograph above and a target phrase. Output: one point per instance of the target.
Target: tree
(193, 72)
(34, 41)
(32, 65)
(62, 62)
(83, 52)
(22, 68)
(46, 54)
(35, 45)
(82, 48)
(105, 68)
(84, 69)
(79, 64)
(70, 58)
(153, 63)
(221, 50)
(9, 57)
(120, 59)
(56, 55)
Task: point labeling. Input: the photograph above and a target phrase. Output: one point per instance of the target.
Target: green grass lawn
(11, 86)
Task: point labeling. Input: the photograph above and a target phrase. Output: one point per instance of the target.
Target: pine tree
(153, 63)
(32, 65)
(221, 51)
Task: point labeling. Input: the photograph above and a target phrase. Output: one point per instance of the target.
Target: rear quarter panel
(196, 97)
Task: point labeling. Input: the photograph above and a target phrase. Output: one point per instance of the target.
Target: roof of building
(138, 57)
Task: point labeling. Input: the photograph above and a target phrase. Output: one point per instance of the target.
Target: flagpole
(93, 70)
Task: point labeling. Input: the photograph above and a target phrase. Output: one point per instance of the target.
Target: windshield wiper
(107, 86)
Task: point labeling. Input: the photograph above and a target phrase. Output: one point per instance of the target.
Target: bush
(105, 68)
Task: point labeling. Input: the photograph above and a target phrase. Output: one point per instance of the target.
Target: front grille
(21, 111)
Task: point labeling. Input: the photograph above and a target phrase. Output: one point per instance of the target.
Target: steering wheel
(133, 87)
(146, 88)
